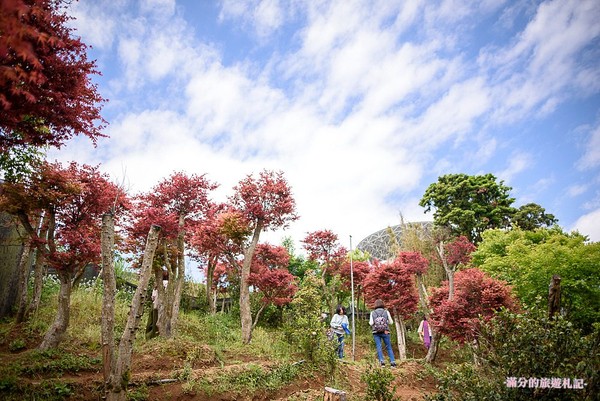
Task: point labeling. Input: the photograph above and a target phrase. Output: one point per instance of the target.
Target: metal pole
(353, 305)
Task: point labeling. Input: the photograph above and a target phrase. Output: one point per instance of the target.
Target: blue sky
(362, 104)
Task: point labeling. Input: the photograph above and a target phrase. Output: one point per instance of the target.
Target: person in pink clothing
(424, 332)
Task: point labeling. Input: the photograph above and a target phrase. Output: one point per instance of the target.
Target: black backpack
(380, 321)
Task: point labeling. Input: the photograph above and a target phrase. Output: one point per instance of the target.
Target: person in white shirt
(339, 325)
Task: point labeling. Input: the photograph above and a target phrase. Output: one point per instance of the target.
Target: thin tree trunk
(39, 270)
(178, 290)
(108, 300)
(56, 332)
(262, 308)
(245, 312)
(165, 298)
(23, 269)
(433, 346)
(119, 378)
(211, 294)
(400, 335)
(449, 270)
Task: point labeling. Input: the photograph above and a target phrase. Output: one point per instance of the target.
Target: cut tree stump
(332, 394)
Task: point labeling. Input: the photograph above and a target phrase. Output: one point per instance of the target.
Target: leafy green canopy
(470, 204)
(528, 259)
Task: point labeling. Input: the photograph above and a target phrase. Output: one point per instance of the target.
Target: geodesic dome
(381, 244)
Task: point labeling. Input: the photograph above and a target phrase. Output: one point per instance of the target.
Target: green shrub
(517, 351)
(379, 384)
(304, 328)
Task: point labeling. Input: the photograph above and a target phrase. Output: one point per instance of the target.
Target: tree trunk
(23, 269)
(400, 335)
(165, 297)
(10, 250)
(433, 347)
(56, 332)
(449, 269)
(108, 300)
(39, 270)
(210, 292)
(245, 311)
(178, 290)
(119, 378)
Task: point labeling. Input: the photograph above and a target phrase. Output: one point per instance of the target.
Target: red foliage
(476, 295)
(180, 195)
(415, 262)
(323, 247)
(75, 198)
(393, 283)
(269, 274)
(265, 201)
(459, 251)
(360, 269)
(46, 95)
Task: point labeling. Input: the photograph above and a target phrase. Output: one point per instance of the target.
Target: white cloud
(589, 224)
(356, 105)
(517, 163)
(576, 190)
(591, 155)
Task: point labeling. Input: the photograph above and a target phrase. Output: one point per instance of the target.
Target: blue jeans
(378, 337)
(340, 349)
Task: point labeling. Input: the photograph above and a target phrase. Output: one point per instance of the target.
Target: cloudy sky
(362, 104)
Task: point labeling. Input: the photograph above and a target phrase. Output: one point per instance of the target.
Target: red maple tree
(73, 200)
(476, 296)
(270, 276)
(324, 248)
(46, 94)
(265, 203)
(176, 204)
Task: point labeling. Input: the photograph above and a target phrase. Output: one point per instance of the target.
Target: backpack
(380, 323)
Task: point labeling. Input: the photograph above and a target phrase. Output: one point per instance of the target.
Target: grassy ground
(206, 360)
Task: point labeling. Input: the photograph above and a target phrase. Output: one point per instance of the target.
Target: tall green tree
(469, 204)
(532, 216)
(528, 259)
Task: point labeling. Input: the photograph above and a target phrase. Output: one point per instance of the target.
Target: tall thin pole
(353, 305)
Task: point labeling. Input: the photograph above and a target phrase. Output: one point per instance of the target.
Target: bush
(522, 357)
(304, 328)
(379, 381)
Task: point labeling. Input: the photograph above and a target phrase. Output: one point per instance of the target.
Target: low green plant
(16, 345)
(379, 384)
(139, 393)
(57, 361)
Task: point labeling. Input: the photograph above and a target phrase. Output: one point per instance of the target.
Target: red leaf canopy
(476, 295)
(46, 95)
(393, 283)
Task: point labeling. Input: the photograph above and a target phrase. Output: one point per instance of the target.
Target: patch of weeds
(139, 393)
(8, 383)
(255, 377)
(46, 390)
(17, 345)
(184, 374)
(58, 361)
(378, 381)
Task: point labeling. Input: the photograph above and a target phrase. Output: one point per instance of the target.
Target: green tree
(469, 204)
(532, 216)
(528, 259)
